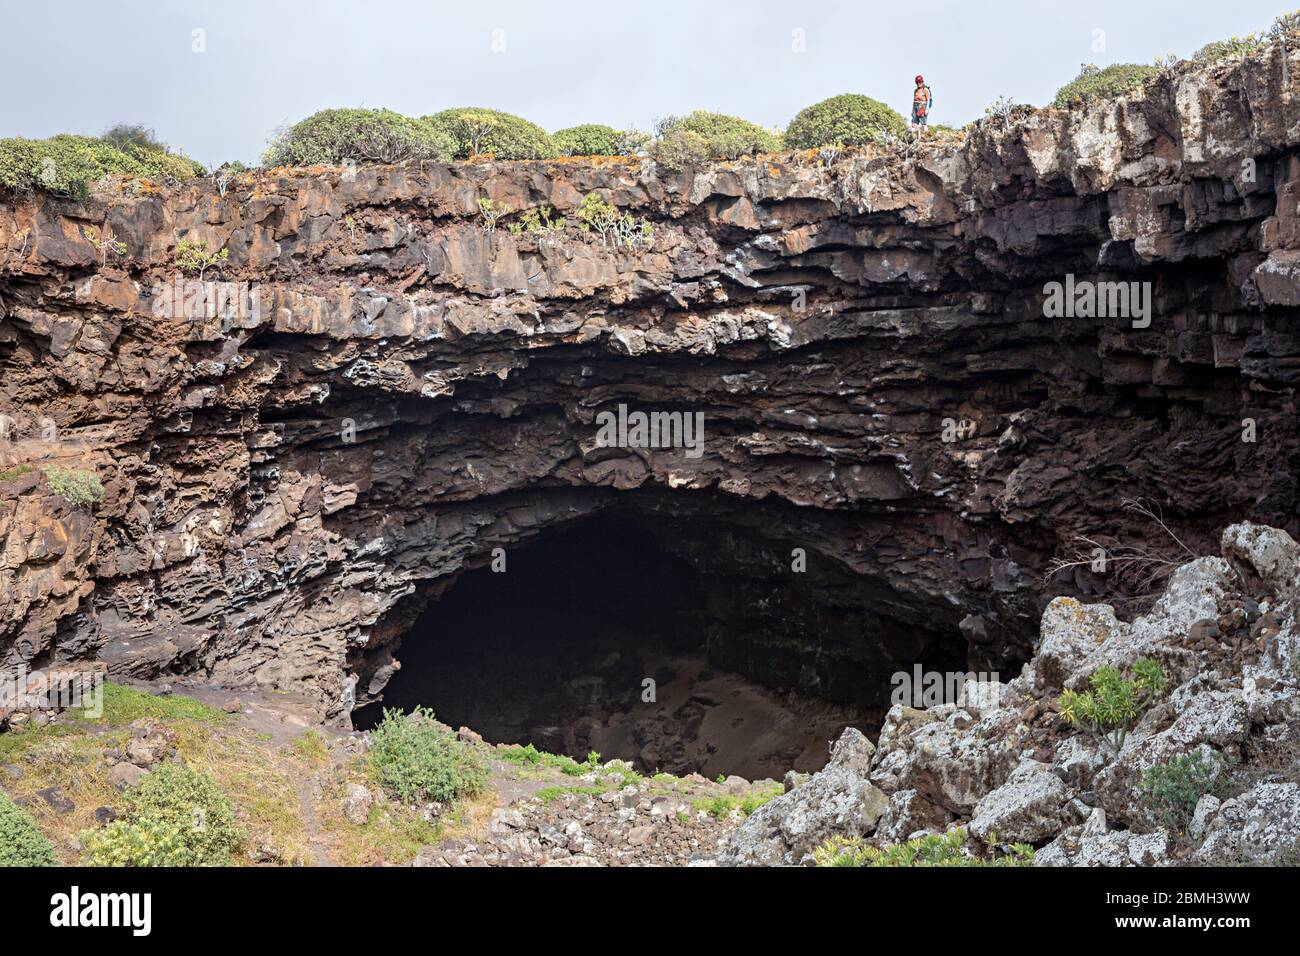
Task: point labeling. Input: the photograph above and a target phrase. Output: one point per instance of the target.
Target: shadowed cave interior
(755, 668)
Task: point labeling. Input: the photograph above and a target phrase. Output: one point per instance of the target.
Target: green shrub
(936, 849)
(69, 165)
(77, 486)
(1108, 709)
(475, 131)
(192, 256)
(124, 136)
(1225, 49)
(21, 844)
(590, 139)
(1174, 787)
(701, 136)
(332, 137)
(416, 760)
(1093, 83)
(540, 221)
(1285, 27)
(681, 150)
(847, 120)
(174, 817)
(615, 228)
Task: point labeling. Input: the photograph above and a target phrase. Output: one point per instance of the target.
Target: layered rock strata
(375, 389)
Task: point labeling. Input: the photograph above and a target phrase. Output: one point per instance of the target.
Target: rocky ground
(1002, 767)
(1005, 767)
(306, 798)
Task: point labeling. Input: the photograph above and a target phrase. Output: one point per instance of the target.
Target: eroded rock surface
(1019, 773)
(378, 392)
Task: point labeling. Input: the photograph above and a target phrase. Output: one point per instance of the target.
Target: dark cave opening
(680, 646)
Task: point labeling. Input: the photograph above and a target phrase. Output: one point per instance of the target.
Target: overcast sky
(216, 77)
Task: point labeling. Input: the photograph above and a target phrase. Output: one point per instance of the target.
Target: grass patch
(547, 794)
(123, 704)
(312, 747)
(16, 471)
(260, 781)
(720, 807)
(530, 756)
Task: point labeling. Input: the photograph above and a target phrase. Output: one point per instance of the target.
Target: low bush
(21, 844)
(334, 137)
(847, 120)
(615, 228)
(77, 486)
(194, 258)
(126, 136)
(69, 165)
(414, 759)
(176, 816)
(1285, 28)
(1094, 83)
(936, 849)
(1108, 709)
(1174, 787)
(474, 131)
(702, 136)
(590, 139)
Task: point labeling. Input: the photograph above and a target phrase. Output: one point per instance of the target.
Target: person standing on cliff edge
(922, 100)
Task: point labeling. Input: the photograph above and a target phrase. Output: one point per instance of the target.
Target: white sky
(80, 66)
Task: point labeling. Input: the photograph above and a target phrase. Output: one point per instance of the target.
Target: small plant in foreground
(175, 817)
(1174, 787)
(78, 487)
(414, 759)
(1109, 708)
(936, 849)
(21, 844)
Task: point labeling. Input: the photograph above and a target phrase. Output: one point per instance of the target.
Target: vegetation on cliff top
(589, 139)
(333, 137)
(702, 136)
(476, 131)
(69, 165)
(1095, 83)
(846, 120)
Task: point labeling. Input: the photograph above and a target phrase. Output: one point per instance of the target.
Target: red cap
(920, 78)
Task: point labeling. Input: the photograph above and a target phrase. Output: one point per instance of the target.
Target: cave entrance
(649, 639)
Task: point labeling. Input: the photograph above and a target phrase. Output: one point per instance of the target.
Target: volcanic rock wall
(376, 389)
